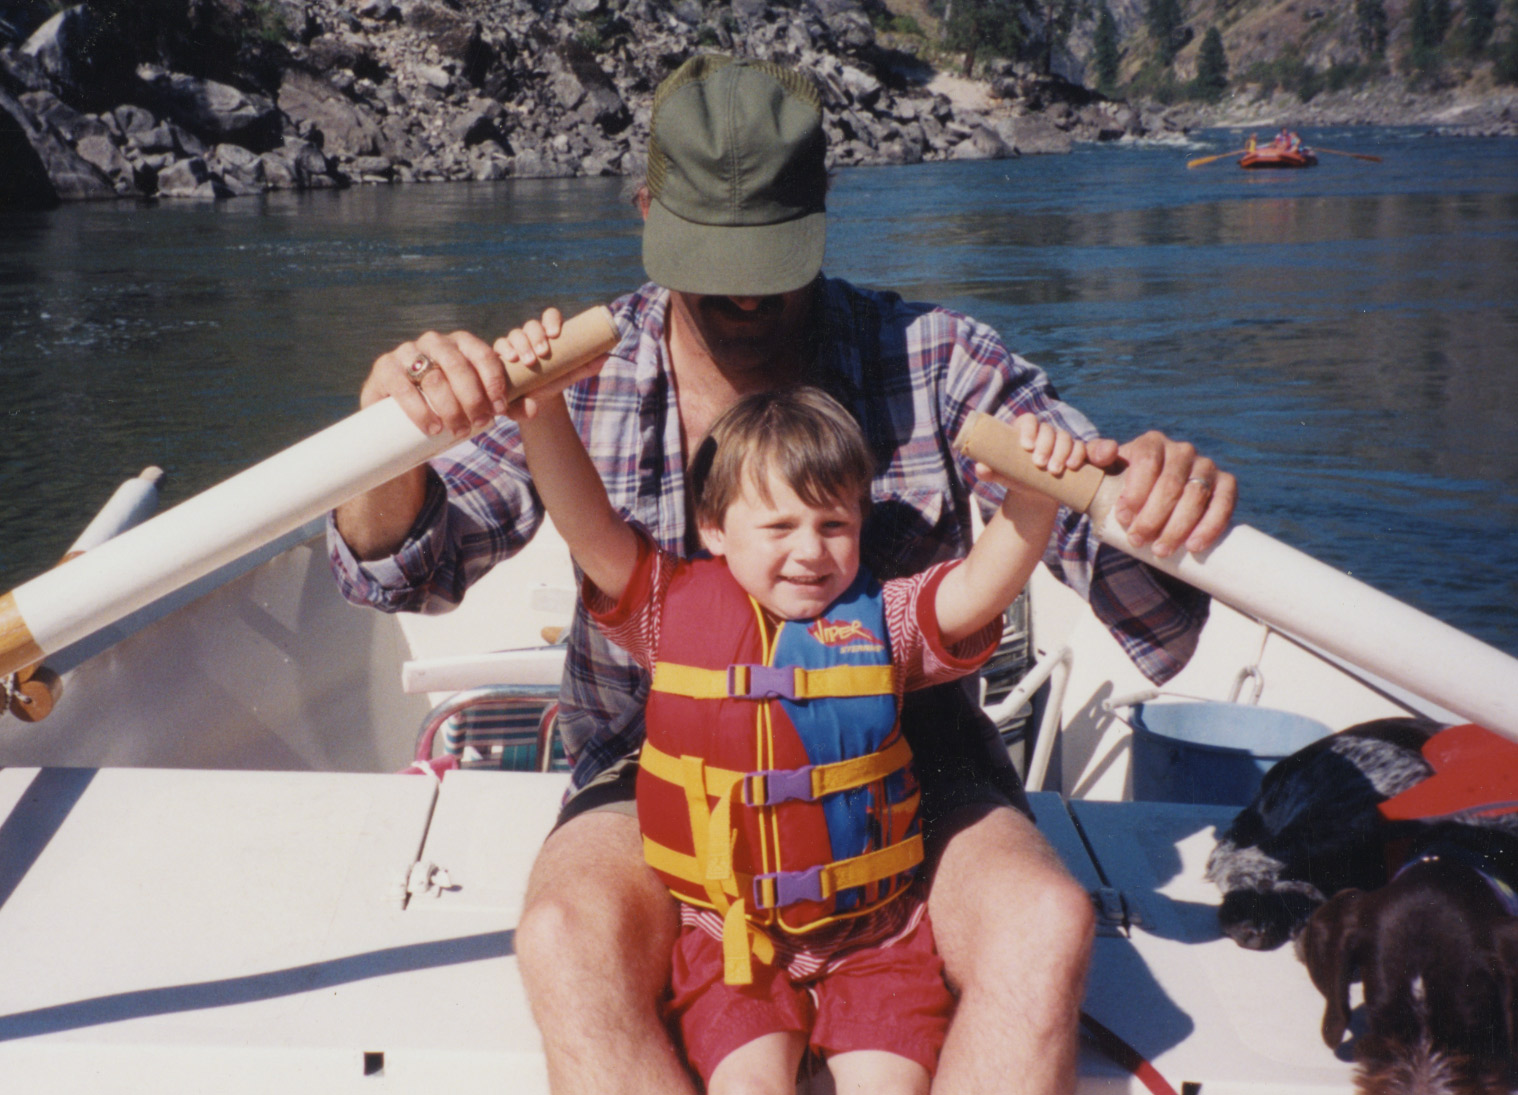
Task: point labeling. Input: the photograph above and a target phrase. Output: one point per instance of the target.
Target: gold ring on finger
(420, 368)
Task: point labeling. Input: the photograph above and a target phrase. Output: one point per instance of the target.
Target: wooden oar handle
(581, 339)
(18, 648)
(995, 443)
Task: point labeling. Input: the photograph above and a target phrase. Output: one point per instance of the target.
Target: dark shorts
(960, 759)
(891, 998)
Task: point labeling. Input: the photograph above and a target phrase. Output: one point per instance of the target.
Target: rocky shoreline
(1479, 111)
(352, 92)
(380, 91)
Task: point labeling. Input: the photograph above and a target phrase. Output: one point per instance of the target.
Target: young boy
(775, 793)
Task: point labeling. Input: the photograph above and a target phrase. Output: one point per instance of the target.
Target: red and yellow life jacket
(774, 785)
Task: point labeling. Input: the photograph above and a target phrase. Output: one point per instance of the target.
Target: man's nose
(748, 304)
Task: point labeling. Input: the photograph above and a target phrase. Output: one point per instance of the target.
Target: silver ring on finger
(420, 368)
(1205, 484)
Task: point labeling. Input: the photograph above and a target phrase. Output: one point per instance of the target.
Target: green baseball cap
(737, 174)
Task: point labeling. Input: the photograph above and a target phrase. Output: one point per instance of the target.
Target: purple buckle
(778, 785)
(765, 682)
(790, 887)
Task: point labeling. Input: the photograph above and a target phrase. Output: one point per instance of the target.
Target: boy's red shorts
(890, 998)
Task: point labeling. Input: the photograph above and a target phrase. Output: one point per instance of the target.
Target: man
(733, 245)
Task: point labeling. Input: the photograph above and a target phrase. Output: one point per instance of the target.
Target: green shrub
(1289, 72)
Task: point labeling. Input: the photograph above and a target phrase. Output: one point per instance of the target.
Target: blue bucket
(1213, 753)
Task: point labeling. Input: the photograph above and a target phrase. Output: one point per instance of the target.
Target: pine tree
(1480, 22)
(1211, 66)
(1164, 21)
(1442, 16)
(1370, 26)
(993, 25)
(1431, 18)
(1105, 55)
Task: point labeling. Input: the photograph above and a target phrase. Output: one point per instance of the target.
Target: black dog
(1313, 830)
(1435, 942)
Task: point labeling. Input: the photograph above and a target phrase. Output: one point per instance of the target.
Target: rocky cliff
(216, 98)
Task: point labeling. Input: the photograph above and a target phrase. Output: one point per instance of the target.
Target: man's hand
(1171, 494)
(451, 382)
(459, 382)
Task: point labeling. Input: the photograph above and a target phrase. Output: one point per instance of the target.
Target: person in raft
(801, 923)
(737, 302)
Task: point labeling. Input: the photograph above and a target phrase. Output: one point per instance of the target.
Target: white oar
(1292, 591)
(252, 508)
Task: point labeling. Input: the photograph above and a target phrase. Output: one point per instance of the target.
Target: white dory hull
(205, 854)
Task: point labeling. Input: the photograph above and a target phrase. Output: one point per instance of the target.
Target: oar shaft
(1351, 155)
(1199, 161)
(252, 508)
(1292, 591)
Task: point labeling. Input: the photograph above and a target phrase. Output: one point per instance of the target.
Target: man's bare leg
(594, 950)
(1015, 932)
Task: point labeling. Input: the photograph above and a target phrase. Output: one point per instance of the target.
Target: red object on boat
(1275, 155)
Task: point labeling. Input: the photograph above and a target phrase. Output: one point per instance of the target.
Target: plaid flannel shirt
(910, 373)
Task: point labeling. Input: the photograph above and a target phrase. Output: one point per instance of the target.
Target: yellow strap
(835, 680)
(841, 875)
(694, 782)
(862, 869)
(740, 939)
(873, 866)
(668, 861)
(736, 967)
(671, 769)
(721, 839)
(827, 779)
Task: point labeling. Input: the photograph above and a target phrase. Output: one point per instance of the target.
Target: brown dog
(1437, 950)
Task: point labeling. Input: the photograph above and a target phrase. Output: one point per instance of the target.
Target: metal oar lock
(254, 507)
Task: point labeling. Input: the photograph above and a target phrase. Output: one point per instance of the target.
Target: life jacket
(774, 784)
(1475, 771)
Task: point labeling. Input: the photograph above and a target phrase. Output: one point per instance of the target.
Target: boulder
(211, 110)
(240, 170)
(455, 36)
(25, 183)
(40, 167)
(1033, 134)
(188, 178)
(385, 11)
(862, 88)
(21, 72)
(581, 86)
(133, 119)
(103, 153)
(982, 143)
(345, 127)
(480, 123)
(847, 22)
(371, 169)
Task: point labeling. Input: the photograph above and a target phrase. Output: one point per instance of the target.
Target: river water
(1345, 339)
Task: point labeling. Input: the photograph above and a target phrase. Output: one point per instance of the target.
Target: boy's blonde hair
(801, 434)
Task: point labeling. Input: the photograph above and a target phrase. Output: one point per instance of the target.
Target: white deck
(175, 931)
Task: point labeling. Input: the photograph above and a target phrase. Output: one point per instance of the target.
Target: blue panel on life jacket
(851, 632)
